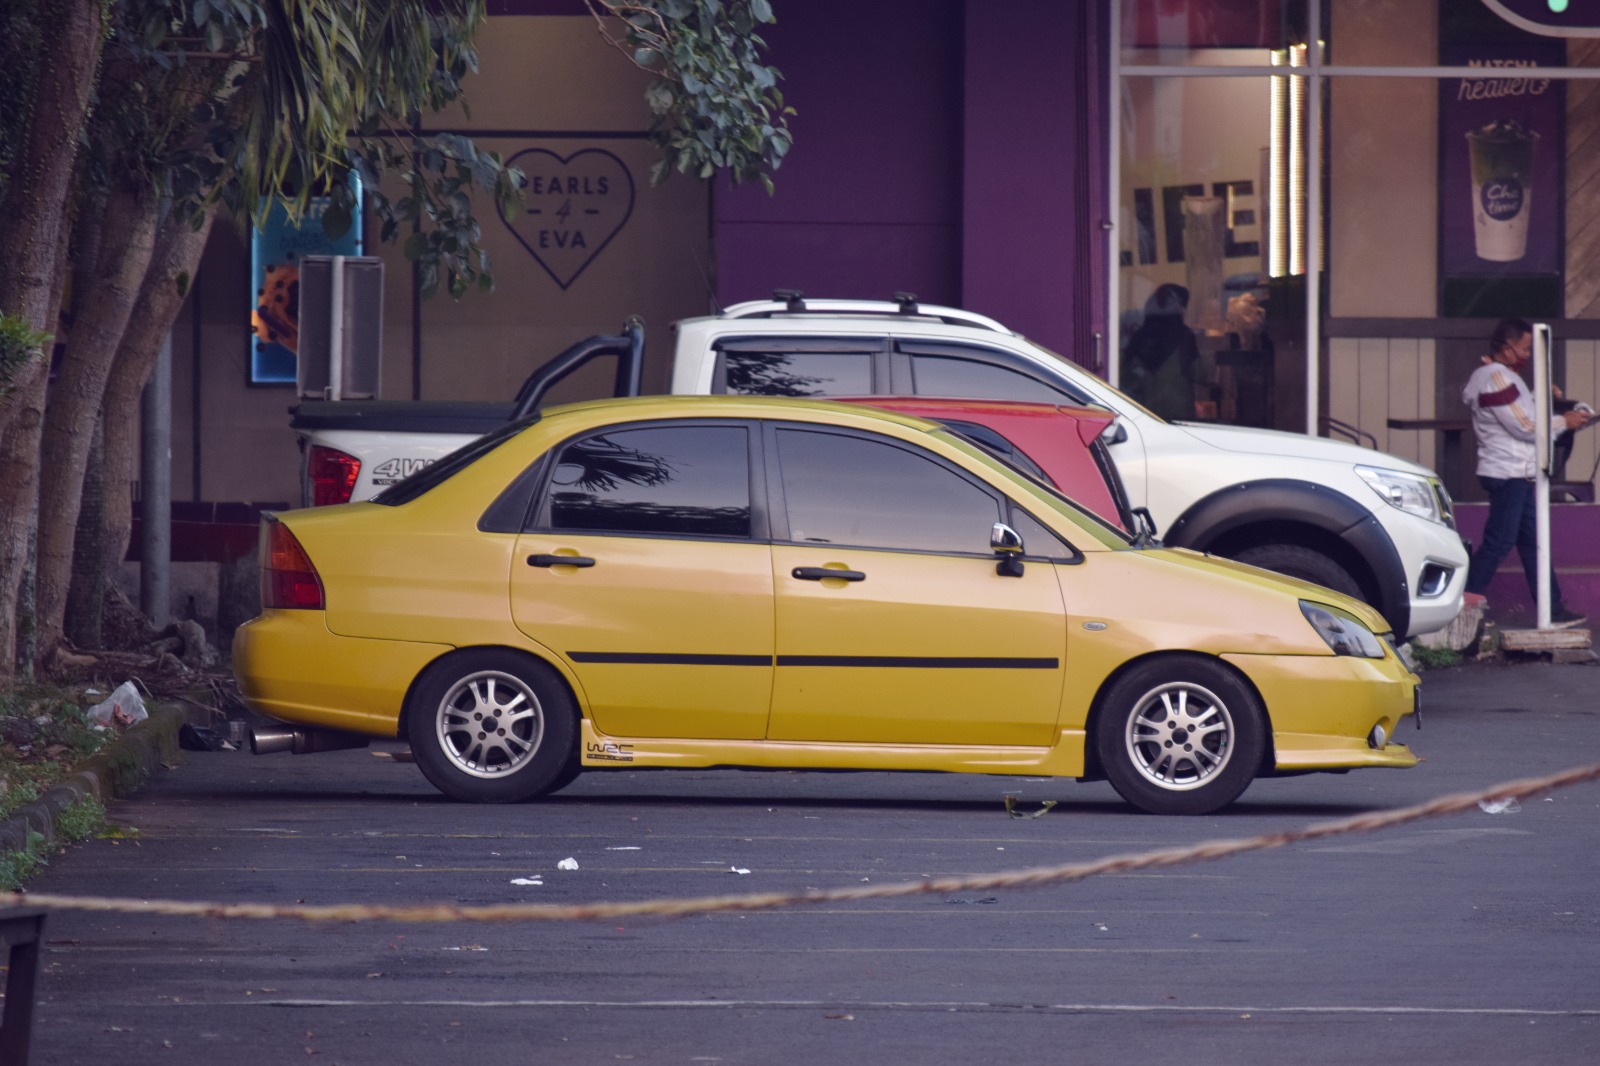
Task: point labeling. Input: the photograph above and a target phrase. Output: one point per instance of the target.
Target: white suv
(1356, 520)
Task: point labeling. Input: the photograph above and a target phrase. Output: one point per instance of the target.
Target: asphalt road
(1468, 939)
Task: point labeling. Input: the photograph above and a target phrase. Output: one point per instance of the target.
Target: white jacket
(1502, 417)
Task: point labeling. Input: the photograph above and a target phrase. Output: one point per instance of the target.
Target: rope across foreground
(1455, 803)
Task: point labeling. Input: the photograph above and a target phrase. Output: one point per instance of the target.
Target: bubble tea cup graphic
(1502, 188)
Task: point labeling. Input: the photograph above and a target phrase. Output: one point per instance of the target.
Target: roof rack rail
(793, 302)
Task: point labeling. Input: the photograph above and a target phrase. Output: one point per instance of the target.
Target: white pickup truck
(1356, 520)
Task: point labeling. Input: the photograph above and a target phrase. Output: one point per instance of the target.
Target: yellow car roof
(740, 407)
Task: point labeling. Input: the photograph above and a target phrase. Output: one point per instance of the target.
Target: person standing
(1163, 359)
(1503, 421)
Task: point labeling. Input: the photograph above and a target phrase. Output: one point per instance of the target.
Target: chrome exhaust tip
(273, 739)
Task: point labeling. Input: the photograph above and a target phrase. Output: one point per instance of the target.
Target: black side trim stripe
(911, 662)
(927, 662)
(669, 659)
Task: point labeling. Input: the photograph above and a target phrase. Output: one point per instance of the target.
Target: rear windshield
(409, 488)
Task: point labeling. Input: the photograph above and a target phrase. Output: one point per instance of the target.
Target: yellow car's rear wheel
(492, 726)
(1182, 734)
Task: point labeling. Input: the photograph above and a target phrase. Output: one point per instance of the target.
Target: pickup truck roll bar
(627, 346)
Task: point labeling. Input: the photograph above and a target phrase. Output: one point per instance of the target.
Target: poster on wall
(276, 249)
(1501, 148)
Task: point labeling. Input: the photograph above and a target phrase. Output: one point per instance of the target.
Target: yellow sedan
(749, 582)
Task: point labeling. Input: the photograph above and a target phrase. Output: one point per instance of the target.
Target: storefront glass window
(1194, 261)
(1423, 162)
(1190, 32)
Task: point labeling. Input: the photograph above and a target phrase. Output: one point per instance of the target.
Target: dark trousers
(1512, 523)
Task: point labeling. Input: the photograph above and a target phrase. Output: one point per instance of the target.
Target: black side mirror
(1144, 527)
(1007, 544)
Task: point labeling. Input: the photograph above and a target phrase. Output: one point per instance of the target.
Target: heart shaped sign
(574, 205)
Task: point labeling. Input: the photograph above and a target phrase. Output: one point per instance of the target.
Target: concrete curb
(118, 770)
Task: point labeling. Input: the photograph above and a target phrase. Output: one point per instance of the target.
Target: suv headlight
(1411, 493)
(1343, 633)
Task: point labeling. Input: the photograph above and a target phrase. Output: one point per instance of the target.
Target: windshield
(997, 445)
(1112, 536)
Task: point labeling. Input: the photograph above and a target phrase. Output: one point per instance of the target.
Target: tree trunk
(33, 233)
(87, 595)
(104, 293)
(178, 248)
(19, 513)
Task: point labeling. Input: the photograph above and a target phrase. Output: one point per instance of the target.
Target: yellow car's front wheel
(492, 726)
(1182, 734)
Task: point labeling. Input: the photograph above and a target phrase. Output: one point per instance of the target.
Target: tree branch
(659, 43)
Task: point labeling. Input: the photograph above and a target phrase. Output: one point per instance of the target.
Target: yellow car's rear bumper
(290, 667)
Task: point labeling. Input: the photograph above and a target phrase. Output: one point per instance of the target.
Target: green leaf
(336, 220)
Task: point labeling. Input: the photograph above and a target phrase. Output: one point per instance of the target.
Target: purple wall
(951, 148)
(1033, 249)
(1574, 546)
(868, 200)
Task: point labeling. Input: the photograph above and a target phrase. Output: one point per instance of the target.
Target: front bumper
(1323, 708)
(1425, 548)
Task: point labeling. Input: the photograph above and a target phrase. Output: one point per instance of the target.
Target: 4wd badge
(391, 470)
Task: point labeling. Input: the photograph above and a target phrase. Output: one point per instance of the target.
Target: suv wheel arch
(1256, 514)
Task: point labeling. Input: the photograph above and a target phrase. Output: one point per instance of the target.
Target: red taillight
(288, 580)
(333, 475)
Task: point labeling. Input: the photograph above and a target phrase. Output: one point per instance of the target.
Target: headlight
(1411, 493)
(1344, 634)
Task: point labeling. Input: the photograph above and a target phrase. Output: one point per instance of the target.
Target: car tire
(1307, 564)
(492, 726)
(567, 776)
(1182, 734)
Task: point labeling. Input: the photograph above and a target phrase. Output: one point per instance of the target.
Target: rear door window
(974, 373)
(674, 480)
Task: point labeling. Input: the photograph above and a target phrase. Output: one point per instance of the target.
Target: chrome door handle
(822, 573)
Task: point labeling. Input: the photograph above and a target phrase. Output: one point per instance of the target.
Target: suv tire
(1307, 564)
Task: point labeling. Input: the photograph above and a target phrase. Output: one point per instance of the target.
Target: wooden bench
(21, 932)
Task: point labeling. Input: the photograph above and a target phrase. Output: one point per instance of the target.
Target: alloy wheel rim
(489, 724)
(1180, 736)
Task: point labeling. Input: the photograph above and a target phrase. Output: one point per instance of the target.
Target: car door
(893, 624)
(664, 613)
